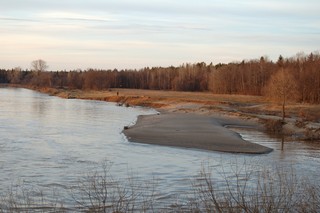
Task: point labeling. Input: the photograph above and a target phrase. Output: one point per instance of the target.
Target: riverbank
(302, 122)
(184, 120)
(60, 143)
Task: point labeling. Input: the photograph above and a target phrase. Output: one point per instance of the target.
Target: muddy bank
(193, 131)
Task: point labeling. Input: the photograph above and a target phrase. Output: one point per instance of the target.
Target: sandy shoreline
(302, 122)
(181, 123)
(193, 131)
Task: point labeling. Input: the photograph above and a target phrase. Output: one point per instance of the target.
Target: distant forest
(249, 77)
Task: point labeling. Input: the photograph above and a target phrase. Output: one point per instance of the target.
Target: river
(47, 142)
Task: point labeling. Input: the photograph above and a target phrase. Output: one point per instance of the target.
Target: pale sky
(108, 34)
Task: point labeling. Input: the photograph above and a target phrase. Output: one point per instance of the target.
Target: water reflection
(303, 156)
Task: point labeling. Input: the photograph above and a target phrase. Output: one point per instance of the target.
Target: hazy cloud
(127, 33)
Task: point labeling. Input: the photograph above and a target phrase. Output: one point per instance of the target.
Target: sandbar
(187, 130)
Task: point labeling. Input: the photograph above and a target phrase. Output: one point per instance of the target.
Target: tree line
(250, 77)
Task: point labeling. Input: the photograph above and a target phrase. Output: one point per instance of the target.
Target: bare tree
(39, 65)
(282, 87)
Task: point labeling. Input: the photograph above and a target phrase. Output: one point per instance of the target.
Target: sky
(132, 34)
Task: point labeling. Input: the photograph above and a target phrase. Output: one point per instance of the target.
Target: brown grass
(161, 99)
(156, 97)
(236, 105)
(274, 126)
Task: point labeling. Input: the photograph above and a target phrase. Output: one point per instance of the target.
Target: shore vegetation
(241, 190)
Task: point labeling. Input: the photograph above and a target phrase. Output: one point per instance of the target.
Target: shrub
(274, 126)
(264, 191)
(239, 189)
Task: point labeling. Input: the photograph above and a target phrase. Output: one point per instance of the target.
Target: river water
(48, 142)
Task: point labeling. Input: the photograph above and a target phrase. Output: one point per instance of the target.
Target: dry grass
(242, 104)
(276, 190)
(241, 189)
(274, 126)
(159, 99)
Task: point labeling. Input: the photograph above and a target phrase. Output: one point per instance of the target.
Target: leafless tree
(282, 87)
(248, 77)
(39, 65)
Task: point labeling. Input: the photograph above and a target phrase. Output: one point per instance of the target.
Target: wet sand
(193, 131)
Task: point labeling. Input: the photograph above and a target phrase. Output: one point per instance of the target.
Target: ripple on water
(55, 142)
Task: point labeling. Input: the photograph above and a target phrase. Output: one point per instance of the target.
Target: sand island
(193, 131)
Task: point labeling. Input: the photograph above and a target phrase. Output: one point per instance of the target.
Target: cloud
(72, 16)
(158, 32)
(9, 19)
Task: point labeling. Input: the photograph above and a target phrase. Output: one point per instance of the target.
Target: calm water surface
(50, 142)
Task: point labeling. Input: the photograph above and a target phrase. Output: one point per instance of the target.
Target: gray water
(48, 142)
